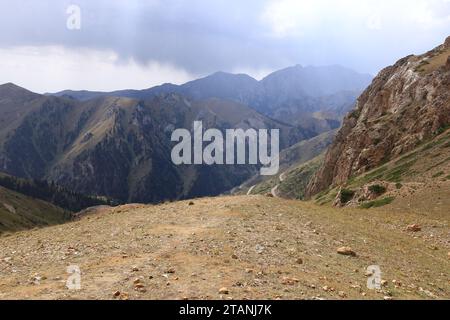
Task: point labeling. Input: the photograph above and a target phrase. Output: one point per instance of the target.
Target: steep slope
(19, 212)
(406, 104)
(121, 147)
(256, 247)
(295, 169)
(61, 197)
(413, 174)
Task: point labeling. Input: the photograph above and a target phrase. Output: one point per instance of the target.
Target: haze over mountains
(118, 144)
(286, 95)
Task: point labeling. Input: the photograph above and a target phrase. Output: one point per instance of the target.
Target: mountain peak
(10, 85)
(13, 89)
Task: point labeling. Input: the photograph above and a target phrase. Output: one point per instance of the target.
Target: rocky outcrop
(406, 104)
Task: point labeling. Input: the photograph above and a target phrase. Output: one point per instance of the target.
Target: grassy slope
(426, 166)
(19, 212)
(292, 162)
(249, 244)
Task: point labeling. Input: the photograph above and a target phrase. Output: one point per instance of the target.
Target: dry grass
(248, 244)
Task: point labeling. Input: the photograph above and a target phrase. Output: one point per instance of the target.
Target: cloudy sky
(138, 44)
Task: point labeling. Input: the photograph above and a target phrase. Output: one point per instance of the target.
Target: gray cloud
(203, 36)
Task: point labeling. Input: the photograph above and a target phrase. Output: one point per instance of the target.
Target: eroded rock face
(447, 43)
(406, 104)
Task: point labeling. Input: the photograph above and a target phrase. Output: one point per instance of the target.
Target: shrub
(378, 203)
(398, 185)
(441, 173)
(377, 189)
(346, 195)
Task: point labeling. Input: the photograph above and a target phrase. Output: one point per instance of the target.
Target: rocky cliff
(406, 104)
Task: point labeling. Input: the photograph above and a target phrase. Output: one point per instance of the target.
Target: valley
(364, 184)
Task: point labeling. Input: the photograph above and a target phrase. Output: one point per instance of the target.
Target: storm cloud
(186, 39)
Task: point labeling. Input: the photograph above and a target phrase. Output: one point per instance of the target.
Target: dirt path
(256, 247)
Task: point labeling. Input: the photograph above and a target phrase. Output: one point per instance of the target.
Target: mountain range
(288, 95)
(117, 144)
(375, 192)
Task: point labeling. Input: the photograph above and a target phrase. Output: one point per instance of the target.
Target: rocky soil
(249, 247)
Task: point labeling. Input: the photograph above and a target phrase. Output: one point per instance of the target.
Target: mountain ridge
(406, 104)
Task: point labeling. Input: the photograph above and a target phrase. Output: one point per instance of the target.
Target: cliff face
(406, 104)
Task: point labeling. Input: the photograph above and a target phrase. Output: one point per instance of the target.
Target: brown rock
(224, 291)
(447, 43)
(414, 228)
(346, 251)
(299, 261)
(171, 270)
(370, 134)
(289, 281)
(116, 294)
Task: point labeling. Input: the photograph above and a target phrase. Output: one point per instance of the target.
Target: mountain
(288, 95)
(52, 193)
(120, 148)
(19, 212)
(406, 105)
(292, 159)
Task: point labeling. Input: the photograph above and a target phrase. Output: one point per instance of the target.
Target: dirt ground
(246, 247)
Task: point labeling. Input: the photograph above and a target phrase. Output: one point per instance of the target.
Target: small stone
(414, 228)
(397, 283)
(135, 269)
(248, 270)
(116, 294)
(137, 281)
(289, 281)
(346, 251)
(171, 270)
(233, 256)
(299, 261)
(387, 298)
(224, 291)
(342, 294)
(191, 203)
(384, 283)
